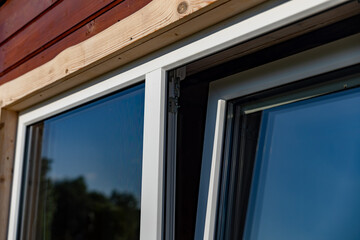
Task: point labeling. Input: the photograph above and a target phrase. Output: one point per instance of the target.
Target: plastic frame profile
(307, 64)
(153, 69)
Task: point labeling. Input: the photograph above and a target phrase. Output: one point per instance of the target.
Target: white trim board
(236, 31)
(329, 57)
(153, 155)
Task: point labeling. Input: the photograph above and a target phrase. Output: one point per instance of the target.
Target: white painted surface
(16, 184)
(215, 170)
(329, 57)
(237, 30)
(153, 156)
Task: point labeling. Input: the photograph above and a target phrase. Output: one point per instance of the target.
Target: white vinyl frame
(152, 69)
(328, 57)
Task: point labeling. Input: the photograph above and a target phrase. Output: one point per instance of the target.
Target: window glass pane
(306, 182)
(83, 179)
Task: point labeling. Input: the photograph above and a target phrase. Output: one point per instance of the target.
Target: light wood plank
(7, 149)
(156, 25)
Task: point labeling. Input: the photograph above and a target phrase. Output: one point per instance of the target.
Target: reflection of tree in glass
(73, 212)
(46, 202)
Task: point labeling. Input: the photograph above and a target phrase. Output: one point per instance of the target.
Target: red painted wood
(52, 25)
(15, 14)
(75, 35)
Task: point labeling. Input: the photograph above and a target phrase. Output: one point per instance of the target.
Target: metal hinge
(174, 88)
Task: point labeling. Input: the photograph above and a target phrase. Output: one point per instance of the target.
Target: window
(291, 165)
(307, 171)
(83, 170)
(191, 191)
(250, 190)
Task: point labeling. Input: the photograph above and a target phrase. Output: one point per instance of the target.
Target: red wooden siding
(15, 14)
(65, 24)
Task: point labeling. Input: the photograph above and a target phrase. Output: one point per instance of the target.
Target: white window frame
(152, 69)
(326, 58)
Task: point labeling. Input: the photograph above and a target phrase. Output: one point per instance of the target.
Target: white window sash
(238, 29)
(329, 57)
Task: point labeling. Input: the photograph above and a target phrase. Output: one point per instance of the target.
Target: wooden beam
(8, 125)
(130, 39)
(158, 24)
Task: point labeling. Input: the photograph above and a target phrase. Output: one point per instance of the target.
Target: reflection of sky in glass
(307, 174)
(101, 141)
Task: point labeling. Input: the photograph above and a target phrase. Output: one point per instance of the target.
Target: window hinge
(174, 88)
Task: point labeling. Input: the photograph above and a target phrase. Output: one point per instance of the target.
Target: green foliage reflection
(72, 212)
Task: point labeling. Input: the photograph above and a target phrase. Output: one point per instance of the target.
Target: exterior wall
(48, 47)
(34, 32)
(152, 27)
(102, 48)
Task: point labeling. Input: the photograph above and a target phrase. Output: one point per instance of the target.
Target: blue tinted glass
(306, 182)
(84, 173)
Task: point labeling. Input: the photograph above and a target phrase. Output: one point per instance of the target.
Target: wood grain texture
(7, 149)
(124, 44)
(153, 27)
(89, 27)
(156, 25)
(16, 14)
(61, 22)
